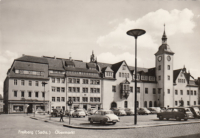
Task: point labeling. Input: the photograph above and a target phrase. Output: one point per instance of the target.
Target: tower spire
(164, 37)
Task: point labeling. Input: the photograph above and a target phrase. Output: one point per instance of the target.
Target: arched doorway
(113, 105)
(150, 103)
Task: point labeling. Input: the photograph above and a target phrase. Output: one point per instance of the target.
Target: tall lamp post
(136, 33)
(44, 83)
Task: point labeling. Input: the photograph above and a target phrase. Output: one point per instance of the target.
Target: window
(138, 89)
(168, 67)
(15, 93)
(63, 80)
(85, 90)
(74, 89)
(70, 80)
(53, 89)
(78, 81)
(98, 90)
(74, 99)
(36, 83)
(58, 80)
(131, 89)
(30, 83)
(91, 99)
(159, 77)
(85, 81)
(176, 92)
(188, 92)
(188, 102)
(58, 99)
(58, 89)
(176, 103)
(154, 91)
(159, 67)
(84, 99)
(125, 104)
(191, 92)
(194, 102)
(78, 89)
(70, 89)
(181, 92)
(22, 82)
(77, 99)
(36, 94)
(53, 80)
(150, 103)
(145, 103)
(168, 91)
(22, 93)
(15, 82)
(62, 99)
(113, 88)
(120, 74)
(146, 90)
(159, 90)
(29, 94)
(168, 77)
(195, 93)
(63, 89)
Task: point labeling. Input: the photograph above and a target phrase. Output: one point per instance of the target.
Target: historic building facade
(95, 84)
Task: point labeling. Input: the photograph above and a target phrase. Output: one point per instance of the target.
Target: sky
(65, 28)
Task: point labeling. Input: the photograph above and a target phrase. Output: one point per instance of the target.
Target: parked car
(129, 111)
(143, 111)
(91, 111)
(56, 112)
(119, 111)
(104, 116)
(195, 111)
(79, 113)
(86, 112)
(177, 113)
(152, 110)
(69, 112)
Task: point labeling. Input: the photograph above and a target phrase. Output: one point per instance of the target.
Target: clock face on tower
(168, 58)
(159, 58)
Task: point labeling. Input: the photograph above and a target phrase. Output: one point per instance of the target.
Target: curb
(129, 127)
(122, 127)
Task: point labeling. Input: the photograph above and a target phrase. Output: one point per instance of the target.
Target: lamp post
(136, 33)
(44, 83)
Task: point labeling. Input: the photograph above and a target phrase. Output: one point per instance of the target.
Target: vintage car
(143, 111)
(69, 112)
(195, 110)
(152, 110)
(56, 112)
(118, 111)
(104, 116)
(177, 113)
(91, 111)
(129, 111)
(79, 113)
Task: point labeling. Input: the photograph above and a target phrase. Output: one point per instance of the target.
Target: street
(20, 125)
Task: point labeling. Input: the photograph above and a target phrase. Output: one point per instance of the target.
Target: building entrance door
(30, 108)
(85, 107)
(113, 105)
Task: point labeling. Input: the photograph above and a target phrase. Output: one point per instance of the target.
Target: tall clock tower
(164, 74)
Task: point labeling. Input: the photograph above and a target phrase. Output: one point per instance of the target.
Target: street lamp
(136, 33)
(44, 83)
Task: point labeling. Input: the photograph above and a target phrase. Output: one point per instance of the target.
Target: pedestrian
(61, 116)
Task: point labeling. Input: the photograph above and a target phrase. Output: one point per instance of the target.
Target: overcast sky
(60, 27)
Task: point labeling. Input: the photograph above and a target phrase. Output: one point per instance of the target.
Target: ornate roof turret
(164, 48)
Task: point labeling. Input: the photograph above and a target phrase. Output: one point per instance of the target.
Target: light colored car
(129, 111)
(154, 110)
(119, 111)
(69, 112)
(143, 111)
(91, 111)
(78, 113)
(104, 116)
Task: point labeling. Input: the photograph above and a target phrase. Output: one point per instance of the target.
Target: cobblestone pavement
(22, 126)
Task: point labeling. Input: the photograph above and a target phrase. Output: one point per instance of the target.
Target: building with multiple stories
(96, 85)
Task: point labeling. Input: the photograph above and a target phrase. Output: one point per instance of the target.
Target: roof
(164, 48)
(32, 59)
(107, 69)
(91, 65)
(55, 64)
(175, 74)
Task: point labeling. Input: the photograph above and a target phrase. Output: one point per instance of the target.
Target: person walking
(61, 116)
